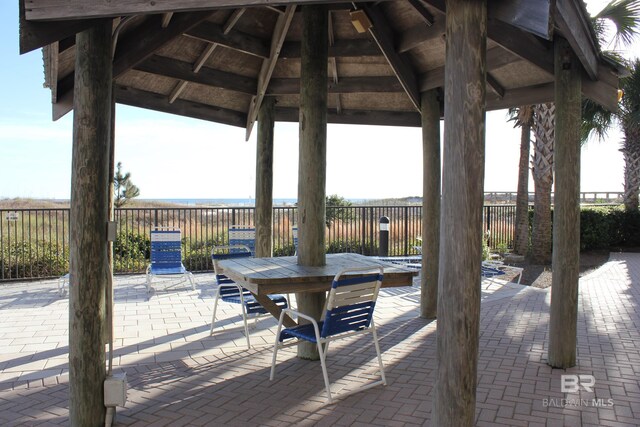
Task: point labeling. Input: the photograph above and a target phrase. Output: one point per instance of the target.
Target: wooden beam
(47, 10)
(264, 179)
(358, 117)
(87, 226)
(384, 84)
(207, 76)
(536, 94)
(461, 220)
(312, 165)
(419, 34)
(495, 86)
(268, 65)
(340, 48)
(166, 18)
(496, 57)
(157, 102)
(232, 20)
(135, 47)
(34, 35)
(242, 42)
(425, 15)
(431, 184)
(577, 30)
(523, 44)
(563, 313)
(382, 34)
(508, 35)
(206, 53)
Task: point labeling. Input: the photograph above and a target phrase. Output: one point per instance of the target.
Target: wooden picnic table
(264, 276)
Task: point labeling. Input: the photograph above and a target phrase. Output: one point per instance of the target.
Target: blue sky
(173, 157)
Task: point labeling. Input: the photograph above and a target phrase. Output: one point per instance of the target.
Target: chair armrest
(302, 315)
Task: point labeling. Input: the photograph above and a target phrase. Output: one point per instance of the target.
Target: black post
(384, 237)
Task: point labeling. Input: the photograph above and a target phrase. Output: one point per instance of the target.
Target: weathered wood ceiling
(218, 64)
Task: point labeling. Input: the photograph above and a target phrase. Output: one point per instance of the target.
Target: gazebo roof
(216, 60)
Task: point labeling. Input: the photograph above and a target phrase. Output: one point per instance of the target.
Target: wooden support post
(313, 155)
(88, 218)
(566, 213)
(430, 107)
(461, 221)
(264, 178)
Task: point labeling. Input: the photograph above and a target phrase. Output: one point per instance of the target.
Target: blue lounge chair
(166, 256)
(349, 311)
(231, 292)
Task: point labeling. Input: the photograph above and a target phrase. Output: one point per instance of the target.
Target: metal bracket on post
(111, 231)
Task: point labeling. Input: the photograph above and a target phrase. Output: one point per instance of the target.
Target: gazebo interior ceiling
(217, 65)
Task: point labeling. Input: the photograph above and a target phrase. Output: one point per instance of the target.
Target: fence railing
(34, 243)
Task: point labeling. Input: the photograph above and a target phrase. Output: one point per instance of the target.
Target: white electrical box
(115, 389)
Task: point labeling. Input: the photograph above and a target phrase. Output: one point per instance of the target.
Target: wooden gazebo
(395, 63)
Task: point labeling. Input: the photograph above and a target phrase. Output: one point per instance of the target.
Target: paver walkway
(179, 375)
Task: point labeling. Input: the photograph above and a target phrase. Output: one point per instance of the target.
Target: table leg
(312, 304)
(275, 311)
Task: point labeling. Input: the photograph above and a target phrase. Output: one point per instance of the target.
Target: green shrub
(42, 259)
(285, 250)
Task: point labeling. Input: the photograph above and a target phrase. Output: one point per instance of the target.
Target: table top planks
(283, 274)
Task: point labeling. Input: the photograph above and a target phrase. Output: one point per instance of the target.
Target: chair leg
(148, 283)
(215, 307)
(275, 348)
(377, 345)
(190, 277)
(324, 369)
(244, 319)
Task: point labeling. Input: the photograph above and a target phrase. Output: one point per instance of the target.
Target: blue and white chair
(349, 311)
(243, 235)
(492, 270)
(166, 256)
(231, 292)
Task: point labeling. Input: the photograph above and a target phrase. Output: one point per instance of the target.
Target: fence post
(155, 218)
(384, 237)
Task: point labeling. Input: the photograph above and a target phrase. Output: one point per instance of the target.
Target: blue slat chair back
(229, 293)
(166, 249)
(491, 272)
(351, 303)
(242, 235)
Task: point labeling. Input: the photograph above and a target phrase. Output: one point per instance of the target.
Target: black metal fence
(34, 243)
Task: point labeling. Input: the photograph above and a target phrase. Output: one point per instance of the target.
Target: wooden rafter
(420, 34)
(495, 86)
(47, 10)
(133, 49)
(242, 42)
(157, 102)
(578, 33)
(206, 53)
(382, 34)
(425, 15)
(268, 65)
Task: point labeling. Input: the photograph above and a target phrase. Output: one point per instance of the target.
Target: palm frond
(596, 120)
(625, 15)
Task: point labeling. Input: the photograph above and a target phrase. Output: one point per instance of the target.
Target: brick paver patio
(179, 375)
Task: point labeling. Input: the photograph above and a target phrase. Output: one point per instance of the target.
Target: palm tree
(597, 120)
(542, 170)
(625, 16)
(523, 118)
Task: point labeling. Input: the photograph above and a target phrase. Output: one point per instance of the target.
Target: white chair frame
(323, 343)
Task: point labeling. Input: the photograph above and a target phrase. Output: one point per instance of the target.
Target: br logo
(573, 383)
